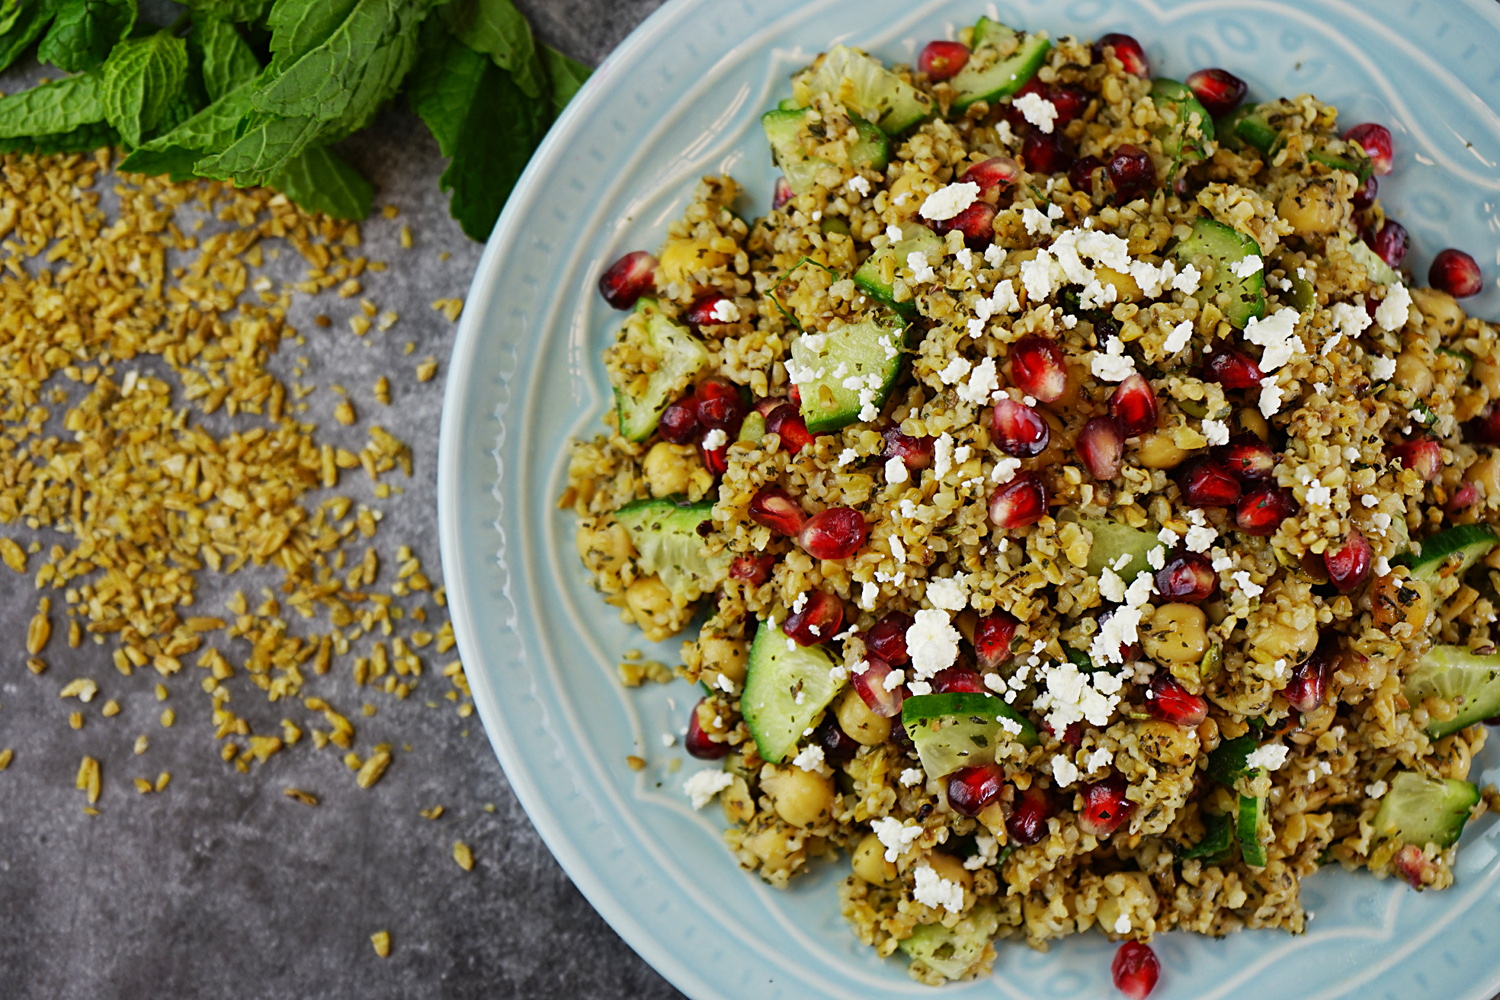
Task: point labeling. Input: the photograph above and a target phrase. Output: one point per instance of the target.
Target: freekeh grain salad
(1093, 523)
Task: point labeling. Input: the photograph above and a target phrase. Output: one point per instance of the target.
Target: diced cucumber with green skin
(862, 85)
(1252, 829)
(952, 951)
(1226, 764)
(665, 535)
(869, 351)
(679, 355)
(1451, 552)
(787, 687)
(987, 76)
(1470, 681)
(1217, 845)
(1379, 271)
(959, 729)
(1187, 126)
(1421, 810)
(783, 132)
(869, 276)
(1255, 130)
(990, 32)
(1304, 295)
(1112, 540)
(1213, 245)
(1359, 166)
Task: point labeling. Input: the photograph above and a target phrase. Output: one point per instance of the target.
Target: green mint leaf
(226, 59)
(320, 181)
(24, 24)
(209, 131)
(52, 108)
(565, 75)
(84, 31)
(83, 139)
(235, 11)
(497, 29)
(299, 26)
(141, 78)
(264, 147)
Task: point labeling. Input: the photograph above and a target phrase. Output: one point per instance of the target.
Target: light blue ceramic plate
(680, 98)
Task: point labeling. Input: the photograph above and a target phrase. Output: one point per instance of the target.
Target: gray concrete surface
(222, 887)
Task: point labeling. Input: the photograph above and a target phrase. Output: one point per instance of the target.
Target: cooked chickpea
(1485, 474)
(950, 868)
(870, 864)
(773, 847)
(862, 725)
(1312, 210)
(1412, 373)
(1440, 310)
(604, 545)
(723, 655)
(668, 468)
(1126, 289)
(1175, 746)
(1394, 600)
(1157, 450)
(1250, 419)
(649, 600)
(681, 258)
(802, 798)
(737, 802)
(1178, 633)
(1281, 641)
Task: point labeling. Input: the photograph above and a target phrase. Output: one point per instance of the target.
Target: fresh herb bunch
(255, 91)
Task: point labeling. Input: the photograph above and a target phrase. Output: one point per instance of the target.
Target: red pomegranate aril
(1101, 446)
(838, 746)
(1413, 867)
(993, 636)
(1422, 454)
(1261, 511)
(1131, 172)
(977, 223)
(1134, 406)
(1105, 806)
(1188, 576)
(1349, 564)
(836, 533)
(1365, 196)
(679, 421)
(1206, 483)
(1070, 102)
(1456, 273)
(1375, 140)
(775, 508)
(1218, 90)
(1019, 430)
(720, 404)
(1308, 688)
(870, 683)
(782, 193)
(1027, 822)
(715, 460)
(996, 172)
(786, 422)
(1127, 50)
(1044, 153)
(697, 743)
(1248, 457)
(957, 680)
(766, 404)
(1169, 701)
(754, 570)
(1390, 243)
(627, 279)
(818, 621)
(1020, 502)
(708, 310)
(887, 637)
(1081, 174)
(1485, 428)
(1466, 496)
(1038, 368)
(1233, 369)
(942, 60)
(971, 789)
(915, 452)
(1135, 970)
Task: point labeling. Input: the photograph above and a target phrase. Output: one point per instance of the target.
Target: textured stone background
(222, 887)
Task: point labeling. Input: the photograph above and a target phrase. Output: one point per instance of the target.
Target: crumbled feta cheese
(1377, 789)
(955, 371)
(1246, 266)
(1393, 310)
(1382, 566)
(809, 758)
(1351, 454)
(1042, 275)
(858, 185)
(894, 834)
(1168, 537)
(1179, 337)
(994, 254)
(725, 311)
(946, 202)
(868, 595)
(893, 680)
(1277, 337)
(1010, 725)
(1072, 696)
(1111, 586)
(1217, 431)
(1064, 770)
(897, 548)
(964, 258)
(895, 471)
(1113, 365)
(989, 852)
(1349, 322)
(1187, 279)
(1221, 561)
(1369, 500)
(1200, 534)
(913, 776)
(1115, 632)
(1036, 109)
(1004, 471)
(723, 683)
(894, 234)
(715, 439)
(1035, 222)
(704, 785)
(942, 454)
(932, 642)
(1069, 322)
(983, 383)
(1004, 297)
(933, 890)
(1270, 756)
(1247, 585)
(1122, 924)
(1382, 369)
(1156, 558)
(1271, 396)
(1099, 759)
(949, 593)
(799, 603)
(1319, 495)
(847, 456)
(920, 270)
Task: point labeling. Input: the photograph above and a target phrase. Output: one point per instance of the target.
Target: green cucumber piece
(1252, 829)
(952, 951)
(1379, 271)
(990, 32)
(667, 543)
(1112, 540)
(1226, 764)
(1255, 130)
(787, 687)
(1357, 164)
(1217, 845)
(869, 351)
(988, 76)
(1451, 552)
(1421, 810)
(1304, 295)
(956, 730)
(862, 85)
(784, 133)
(1471, 681)
(1187, 127)
(679, 356)
(914, 238)
(1213, 246)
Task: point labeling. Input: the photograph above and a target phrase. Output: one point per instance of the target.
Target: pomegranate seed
(1233, 369)
(794, 395)
(1038, 368)
(1169, 701)
(971, 789)
(915, 452)
(1391, 242)
(720, 405)
(1375, 140)
(1134, 406)
(942, 60)
(1349, 565)
(1206, 483)
(1070, 102)
(1308, 687)
(627, 279)
(887, 637)
(1422, 454)
(705, 312)
(1365, 196)
(1101, 445)
(992, 639)
(956, 680)
(1105, 806)
(1456, 273)
(1131, 172)
(836, 533)
(977, 223)
(1463, 498)
(870, 683)
(782, 193)
(838, 746)
(996, 172)
(1128, 650)
(1485, 428)
(774, 507)
(786, 422)
(1020, 502)
(1412, 866)
(716, 461)
(1028, 821)
(1019, 430)
(1218, 90)
(818, 621)
(1044, 153)
(1248, 457)
(1261, 511)
(697, 743)
(1081, 173)
(765, 405)
(1127, 50)
(679, 421)
(1136, 970)
(1188, 577)
(754, 570)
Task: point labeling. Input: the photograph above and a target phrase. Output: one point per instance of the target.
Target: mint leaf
(24, 25)
(497, 29)
(299, 26)
(83, 139)
(209, 131)
(266, 145)
(320, 181)
(84, 31)
(565, 75)
(52, 108)
(141, 78)
(226, 59)
(234, 11)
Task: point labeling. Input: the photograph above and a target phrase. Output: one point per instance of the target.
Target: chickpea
(668, 468)
(1175, 746)
(801, 798)
(862, 725)
(914, 185)
(1178, 633)
(1455, 758)
(1412, 373)
(950, 868)
(773, 847)
(1126, 289)
(1312, 210)
(1394, 600)
(680, 259)
(650, 602)
(1281, 641)
(1157, 450)
(1440, 310)
(1485, 474)
(1251, 420)
(724, 655)
(604, 546)
(1487, 373)
(737, 802)
(870, 864)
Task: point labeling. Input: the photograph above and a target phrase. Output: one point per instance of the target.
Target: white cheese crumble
(920, 269)
(895, 471)
(847, 456)
(994, 254)
(868, 594)
(892, 681)
(1246, 266)
(1099, 759)
(1382, 369)
(897, 549)
(1035, 222)
(858, 185)
(799, 603)
(1200, 534)
(1113, 365)
(1122, 924)
(1349, 321)
(1271, 396)
(1064, 770)
(1179, 337)
(1277, 337)
(1072, 696)
(932, 642)
(894, 834)
(913, 776)
(933, 890)
(894, 234)
(949, 593)
(955, 370)
(725, 311)
(1187, 279)
(1393, 310)
(715, 439)
(1270, 756)
(1004, 297)
(1217, 431)
(946, 202)
(1157, 557)
(1247, 585)
(809, 758)
(942, 454)
(1004, 471)
(704, 785)
(1376, 790)
(989, 852)
(983, 383)
(1038, 110)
